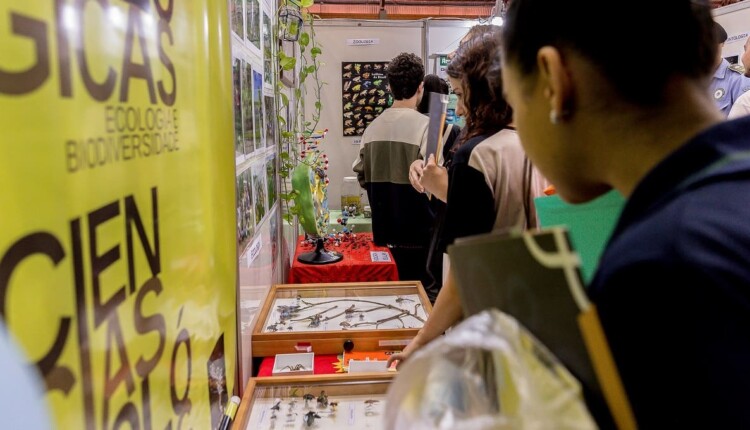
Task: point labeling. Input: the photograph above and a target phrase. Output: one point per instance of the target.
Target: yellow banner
(117, 233)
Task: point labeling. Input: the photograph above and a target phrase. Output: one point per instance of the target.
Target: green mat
(589, 224)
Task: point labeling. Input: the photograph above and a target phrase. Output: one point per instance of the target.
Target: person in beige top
(491, 183)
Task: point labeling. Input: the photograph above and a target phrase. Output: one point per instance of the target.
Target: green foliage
(306, 82)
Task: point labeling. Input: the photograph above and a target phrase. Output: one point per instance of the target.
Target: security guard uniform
(728, 84)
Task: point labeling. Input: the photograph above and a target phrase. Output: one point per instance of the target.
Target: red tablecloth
(356, 266)
(323, 365)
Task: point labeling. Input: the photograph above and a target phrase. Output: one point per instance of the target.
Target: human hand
(402, 356)
(415, 175)
(434, 178)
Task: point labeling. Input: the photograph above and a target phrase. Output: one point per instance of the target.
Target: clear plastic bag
(486, 373)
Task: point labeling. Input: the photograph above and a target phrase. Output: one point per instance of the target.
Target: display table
(356, 266)
(359, 222)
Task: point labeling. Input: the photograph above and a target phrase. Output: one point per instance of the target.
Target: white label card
(380, 257)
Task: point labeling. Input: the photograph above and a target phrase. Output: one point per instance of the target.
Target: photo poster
(117, 282)
(239, 139)
(259, 190)
(235, 16)
(252, 24)
(258, 133)
(245, 210)
(267, 49)
(271, 179)
(273, 220)
(247, 110)
(271, 121)
(365, 94)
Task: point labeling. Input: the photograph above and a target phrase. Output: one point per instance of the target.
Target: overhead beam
(362, 11)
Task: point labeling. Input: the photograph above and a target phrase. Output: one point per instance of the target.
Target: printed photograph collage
(255, 134)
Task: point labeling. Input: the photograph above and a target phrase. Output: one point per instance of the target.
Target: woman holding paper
(491, 184)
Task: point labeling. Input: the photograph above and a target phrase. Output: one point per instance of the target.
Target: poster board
(365, 94)
(393, 37)
(118, 195)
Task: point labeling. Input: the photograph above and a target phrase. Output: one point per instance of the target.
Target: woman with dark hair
(595, 113)
(434, 270)
(491, 184)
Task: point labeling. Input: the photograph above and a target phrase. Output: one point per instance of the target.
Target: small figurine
(309, 418)
(323, 399)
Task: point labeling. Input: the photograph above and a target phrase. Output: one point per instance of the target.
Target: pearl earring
(554, 116)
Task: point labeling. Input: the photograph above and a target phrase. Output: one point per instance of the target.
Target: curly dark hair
(405, 73)
(475, 64)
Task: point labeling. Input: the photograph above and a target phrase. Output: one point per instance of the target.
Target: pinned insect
(277, 405)
(309, 418)
(400, 300)
(307, 397)
(344, 325)
(370, 402)
(333, 406)
(273, 327)
(294, 367)
(323, 399)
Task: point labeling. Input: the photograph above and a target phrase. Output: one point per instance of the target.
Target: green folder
(589, 224)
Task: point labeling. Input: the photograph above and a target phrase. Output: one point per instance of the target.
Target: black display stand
(320, 255)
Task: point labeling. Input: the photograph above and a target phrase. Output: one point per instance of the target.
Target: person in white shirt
(741, 106)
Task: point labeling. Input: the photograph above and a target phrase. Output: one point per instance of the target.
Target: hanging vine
(302, 77)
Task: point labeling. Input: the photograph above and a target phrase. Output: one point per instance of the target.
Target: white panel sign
(362, 42)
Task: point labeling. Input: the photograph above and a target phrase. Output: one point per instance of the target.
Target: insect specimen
(309, 418)
(294, 367)
(400, 299)
(307, 397)
(323, 399)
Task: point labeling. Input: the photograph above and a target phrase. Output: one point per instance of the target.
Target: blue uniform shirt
(673, 286)
(727, 85)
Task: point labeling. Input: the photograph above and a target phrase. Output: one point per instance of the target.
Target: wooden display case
(351, 401)
(372, 315)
